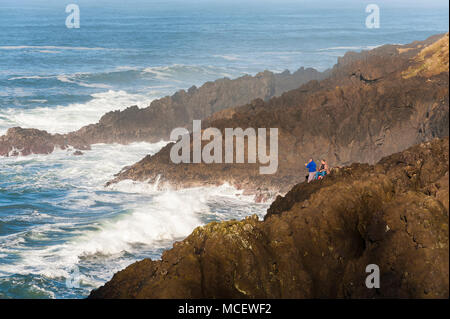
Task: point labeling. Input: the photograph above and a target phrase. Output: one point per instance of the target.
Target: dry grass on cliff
(431, 60)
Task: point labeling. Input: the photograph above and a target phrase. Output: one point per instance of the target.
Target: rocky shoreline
(155, 122)
(373, 104)
(369, 105)
(317, 240)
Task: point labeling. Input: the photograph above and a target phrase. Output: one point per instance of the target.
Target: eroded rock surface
(20, 141)
(155, 122)
(317, 240)
(365, 110)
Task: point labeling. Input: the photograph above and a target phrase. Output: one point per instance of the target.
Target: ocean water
(59, 225)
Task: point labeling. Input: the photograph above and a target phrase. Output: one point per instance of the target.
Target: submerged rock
(317, 240)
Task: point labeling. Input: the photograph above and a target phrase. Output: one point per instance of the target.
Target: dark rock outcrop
(155, 122)
(20, 141)
(369, 107)
(317, 240)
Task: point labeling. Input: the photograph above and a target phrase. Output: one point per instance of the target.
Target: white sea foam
(175, 72)
(169, 216)
(144, 218)
(224, 190)
(229, 57)
(127, 68)
(89, 172)
(49, 51)
(130, 186)
(67, 79)
(30, 77)
(62, 119)
(66, 118)
(92, 170)
(101, 230)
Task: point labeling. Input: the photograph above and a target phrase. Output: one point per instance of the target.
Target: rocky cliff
(317, 240)
(155, 122)
(374, 103)
(20, 141)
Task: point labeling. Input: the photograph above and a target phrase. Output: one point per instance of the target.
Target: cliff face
(365, 110)
(155, 122)
(317, 240)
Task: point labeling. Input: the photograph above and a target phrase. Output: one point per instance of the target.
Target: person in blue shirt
(312, 168)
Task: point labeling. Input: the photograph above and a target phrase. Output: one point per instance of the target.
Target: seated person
(323, 170)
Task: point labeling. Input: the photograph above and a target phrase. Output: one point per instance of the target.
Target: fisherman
(312, 168)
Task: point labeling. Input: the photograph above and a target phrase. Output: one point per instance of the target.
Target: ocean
(62, 233)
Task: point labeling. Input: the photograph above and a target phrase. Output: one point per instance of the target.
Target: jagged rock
(19, 141)
(317, 241)
(155, 122)
(365, 110)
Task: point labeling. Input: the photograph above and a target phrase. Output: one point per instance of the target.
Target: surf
(76, 223)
